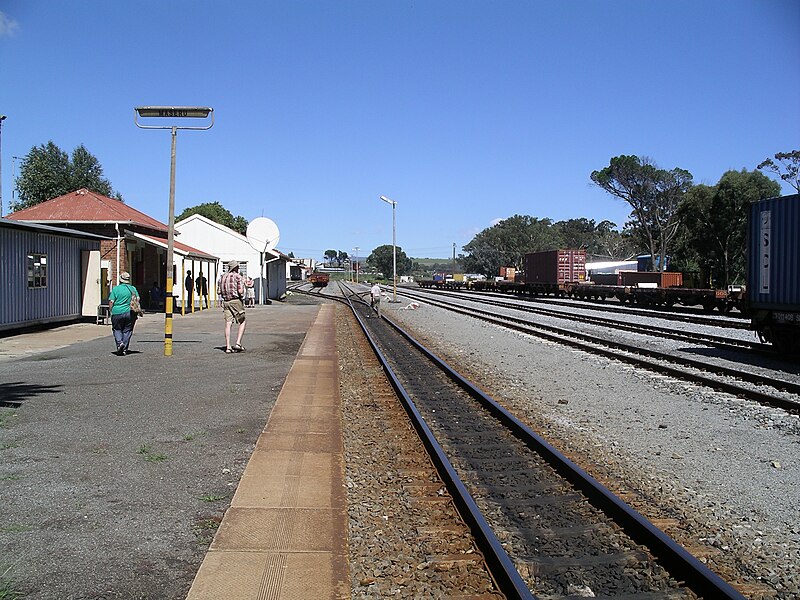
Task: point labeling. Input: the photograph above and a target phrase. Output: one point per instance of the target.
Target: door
(90, 282)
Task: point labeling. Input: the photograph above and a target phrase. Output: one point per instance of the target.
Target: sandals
(228, 351)
(238, 348)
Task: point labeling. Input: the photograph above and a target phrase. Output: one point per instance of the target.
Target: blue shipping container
(773, 264)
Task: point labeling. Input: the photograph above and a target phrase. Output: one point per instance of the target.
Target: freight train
(317, 279)
(771, 297)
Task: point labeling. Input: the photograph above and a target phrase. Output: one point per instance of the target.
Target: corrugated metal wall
(62, 298)
(773, 265)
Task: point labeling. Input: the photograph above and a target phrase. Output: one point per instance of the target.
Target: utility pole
(454, 262)
(356, 264)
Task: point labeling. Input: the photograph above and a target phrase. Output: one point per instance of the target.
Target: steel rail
(677, 560)
(500, 565)
(643, 329)
(586, 342)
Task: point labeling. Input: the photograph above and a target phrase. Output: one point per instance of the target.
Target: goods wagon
(773, 271)
(318, 279)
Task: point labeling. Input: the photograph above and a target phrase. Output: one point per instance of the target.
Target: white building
(268, 271)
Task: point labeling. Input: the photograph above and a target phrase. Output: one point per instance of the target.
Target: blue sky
(464, 112)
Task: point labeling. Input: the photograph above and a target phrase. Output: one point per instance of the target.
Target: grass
(191, 436)
(8, 587)
(11, 477)
(213, 497)
(15, 528)
(4, 415)
(9, 446)
(149, 455)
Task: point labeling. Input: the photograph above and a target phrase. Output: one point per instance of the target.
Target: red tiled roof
(83, 206)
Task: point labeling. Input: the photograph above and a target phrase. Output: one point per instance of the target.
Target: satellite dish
(263, 234)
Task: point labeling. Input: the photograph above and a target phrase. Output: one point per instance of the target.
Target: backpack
(135, 306)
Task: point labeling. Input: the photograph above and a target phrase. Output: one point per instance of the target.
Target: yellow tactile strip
(284, 536)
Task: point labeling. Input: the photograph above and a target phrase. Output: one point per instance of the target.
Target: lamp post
(394, 249)
(198, 112)
(2, 118)
(356, 270)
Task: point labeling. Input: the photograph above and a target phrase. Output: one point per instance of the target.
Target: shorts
(233, 310)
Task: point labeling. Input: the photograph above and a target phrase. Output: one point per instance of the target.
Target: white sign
(764, 251)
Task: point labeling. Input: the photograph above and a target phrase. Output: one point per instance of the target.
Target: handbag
(136, 308)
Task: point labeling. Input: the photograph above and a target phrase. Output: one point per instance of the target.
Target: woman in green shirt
(122, 319)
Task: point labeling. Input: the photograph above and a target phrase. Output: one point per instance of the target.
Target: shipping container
(653, 278)
(773, 274)
(773, 271)
(508, 273)
(555, 267)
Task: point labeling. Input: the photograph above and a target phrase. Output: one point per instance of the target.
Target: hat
(233, 265)
(125, 276)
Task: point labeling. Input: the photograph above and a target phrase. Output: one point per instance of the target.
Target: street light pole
(356, 263)
(394, 249)
(172, 112)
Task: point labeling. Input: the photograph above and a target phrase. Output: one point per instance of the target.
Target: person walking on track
(122, 317)
(232, 292)
(375, 293)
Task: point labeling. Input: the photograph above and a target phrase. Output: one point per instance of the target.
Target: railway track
(546, 528)
(757, 386)
(646, 329)
(682, 314)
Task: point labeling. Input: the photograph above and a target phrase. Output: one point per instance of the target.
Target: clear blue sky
(464, 112)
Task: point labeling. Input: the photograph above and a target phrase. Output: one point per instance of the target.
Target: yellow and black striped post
(168, 319)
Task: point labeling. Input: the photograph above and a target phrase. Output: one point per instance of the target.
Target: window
(37, 270)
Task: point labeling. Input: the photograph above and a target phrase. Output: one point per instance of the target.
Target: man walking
(375, 293)
(232, 291)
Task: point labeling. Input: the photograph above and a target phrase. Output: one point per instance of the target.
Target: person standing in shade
(202, 288)
(375, 293)
(122, 318)
(232, 292)
(189, 285)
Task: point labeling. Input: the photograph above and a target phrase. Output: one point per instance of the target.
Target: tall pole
(2, 118)
(170, 248)
(394, 248)
(171, 112)
(356, 264)
(394, 257)
(454, 262)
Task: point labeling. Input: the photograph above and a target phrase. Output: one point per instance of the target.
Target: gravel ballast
(720, 473)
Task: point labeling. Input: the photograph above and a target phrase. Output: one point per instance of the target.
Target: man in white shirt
(375, 293)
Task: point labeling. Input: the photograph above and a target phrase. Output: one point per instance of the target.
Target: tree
(507, 242)
(714, 225)
(217, 213)
(47, 172)
(612, 244)
(788, 168)
(85, 171)
(653, 194)
(331, 256)
(381, 259)
(341, 257)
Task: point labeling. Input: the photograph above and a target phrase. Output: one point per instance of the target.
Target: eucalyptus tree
(787, 167)
(654, 196)
(714, 225)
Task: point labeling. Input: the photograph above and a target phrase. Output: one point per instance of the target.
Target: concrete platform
(285, 535)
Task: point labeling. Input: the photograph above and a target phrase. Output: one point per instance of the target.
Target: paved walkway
(285, 533)
(112, 469)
